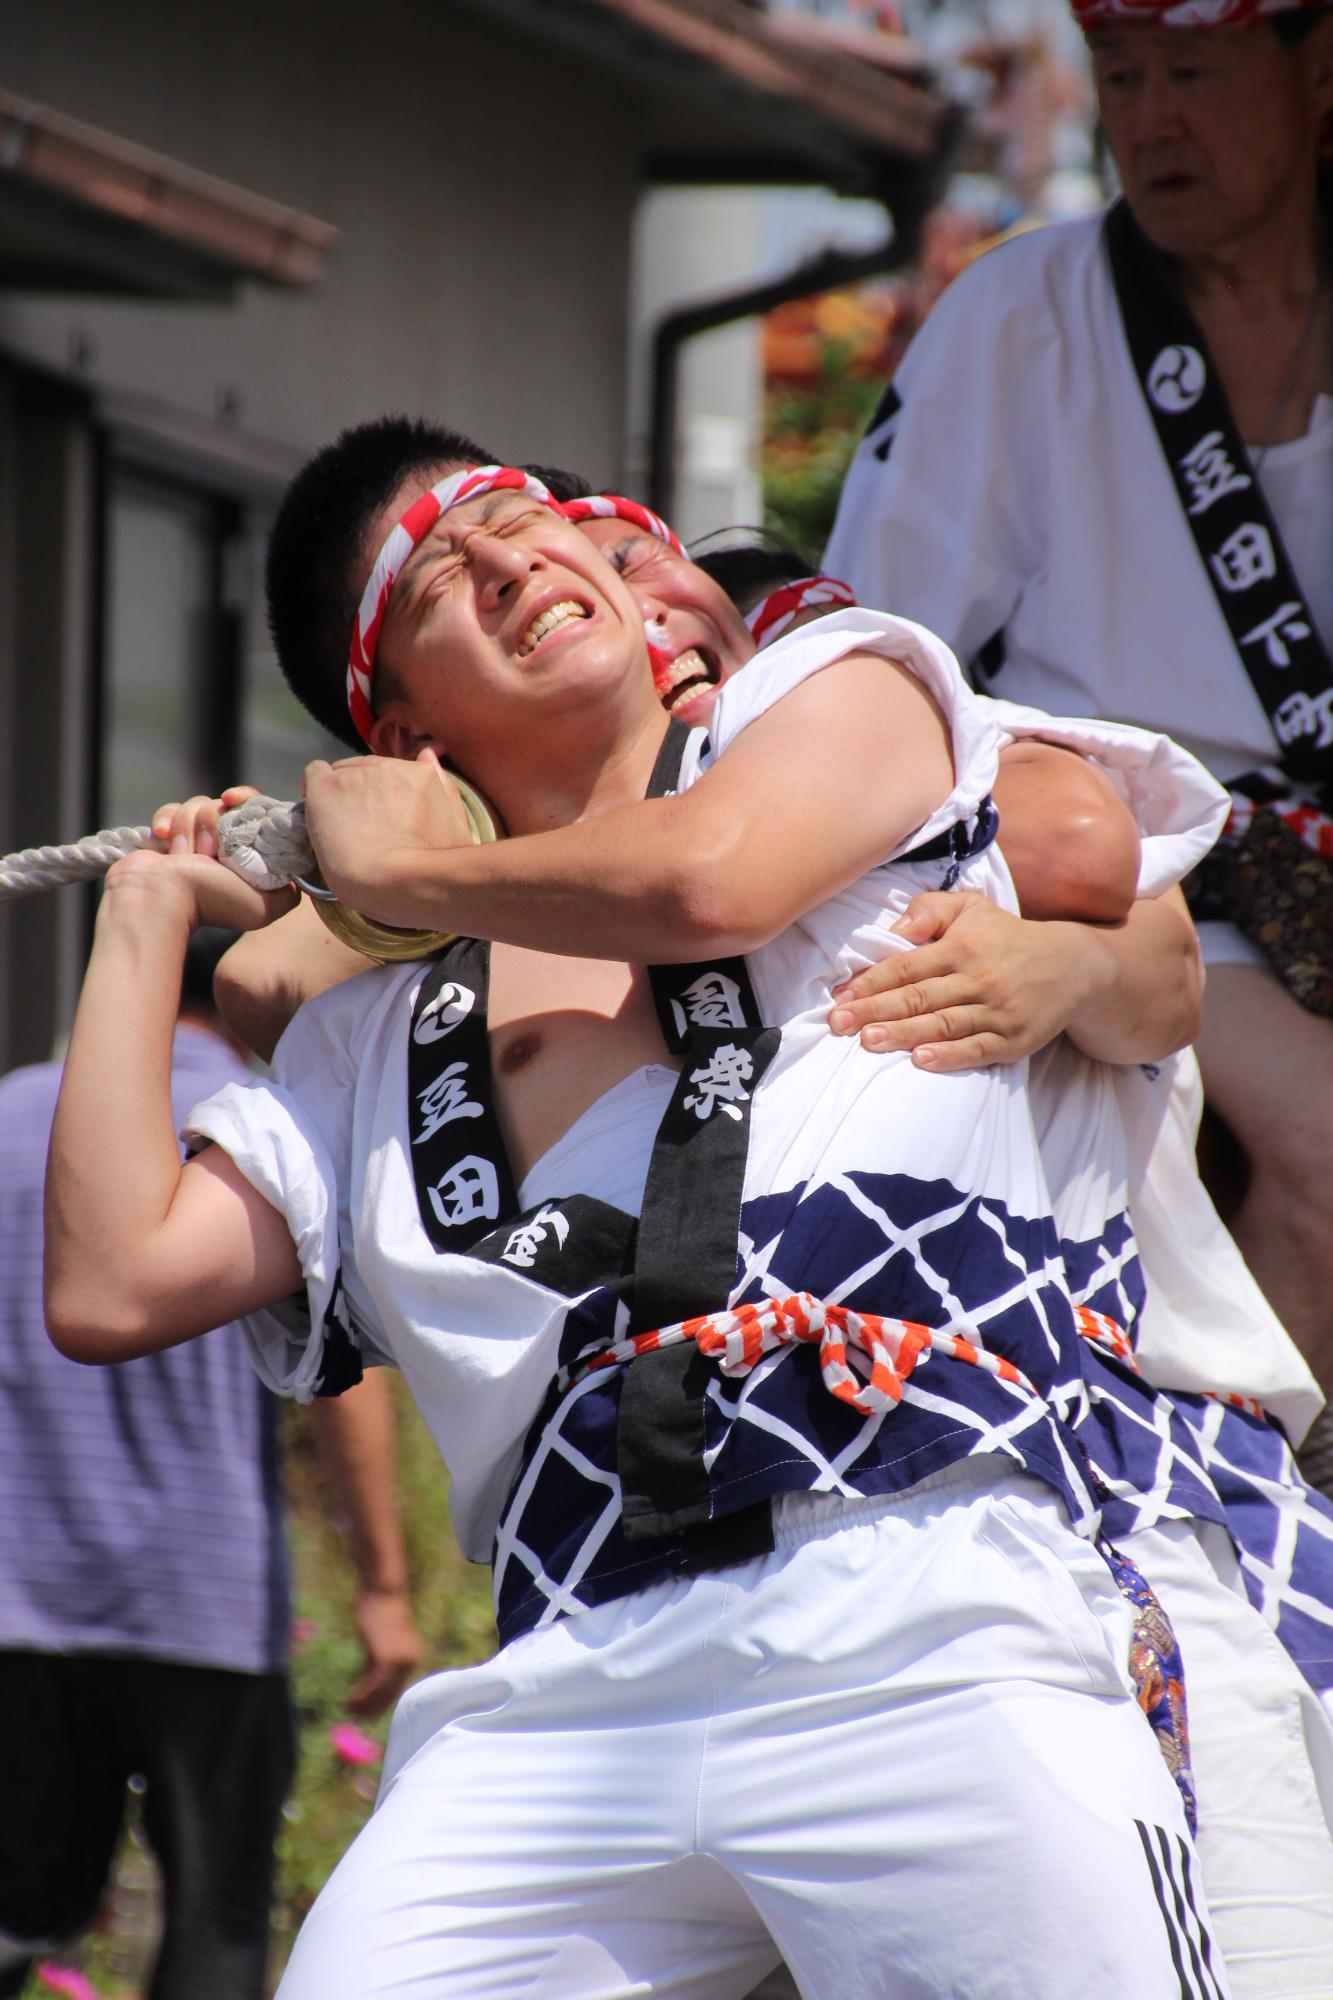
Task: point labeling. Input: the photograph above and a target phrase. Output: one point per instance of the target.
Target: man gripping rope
(736, 1590)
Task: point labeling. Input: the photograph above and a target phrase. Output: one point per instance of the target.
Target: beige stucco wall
(484, 192)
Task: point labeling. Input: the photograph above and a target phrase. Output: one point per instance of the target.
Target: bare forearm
(632, 884)
(141, 1251)
(357, 1437)
(1145, 986)
(114, 1162)
(724, 867)
(983, 986)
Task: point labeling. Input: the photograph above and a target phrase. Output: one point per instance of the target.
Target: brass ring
(387, 942)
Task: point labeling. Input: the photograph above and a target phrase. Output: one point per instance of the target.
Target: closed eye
(526, 517)
(632, 554)
(443, 573)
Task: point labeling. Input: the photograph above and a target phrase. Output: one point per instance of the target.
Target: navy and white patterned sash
(1233, 528)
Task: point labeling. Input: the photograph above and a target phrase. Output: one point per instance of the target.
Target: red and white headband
(419, 519)
(1185, 13)
(776, 613)
(614, 507)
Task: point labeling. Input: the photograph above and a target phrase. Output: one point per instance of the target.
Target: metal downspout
(825, 273)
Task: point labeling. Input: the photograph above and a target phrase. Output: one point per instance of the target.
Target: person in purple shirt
(144, 1600)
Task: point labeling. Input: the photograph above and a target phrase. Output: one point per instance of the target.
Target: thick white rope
(264, 840)
(79, 860)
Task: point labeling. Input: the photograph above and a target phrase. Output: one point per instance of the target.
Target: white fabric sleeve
(1179, 806)
(792, 659)
(287, 1140)
(947, 526)
(1206, 1325)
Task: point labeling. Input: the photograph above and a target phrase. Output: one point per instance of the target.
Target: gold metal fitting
(386, 942)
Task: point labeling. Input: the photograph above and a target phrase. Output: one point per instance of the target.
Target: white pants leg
(901, 1752)
(1262, 1750)
(1262, 1744)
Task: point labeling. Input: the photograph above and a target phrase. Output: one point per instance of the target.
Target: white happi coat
(1204, 1326)
(1024, 491)
(867, 1180)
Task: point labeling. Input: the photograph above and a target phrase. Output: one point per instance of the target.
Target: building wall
(693, 244)
(484, 191)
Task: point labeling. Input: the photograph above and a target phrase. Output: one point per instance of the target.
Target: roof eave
(83, 208)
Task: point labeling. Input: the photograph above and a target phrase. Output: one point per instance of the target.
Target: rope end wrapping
(266, 843)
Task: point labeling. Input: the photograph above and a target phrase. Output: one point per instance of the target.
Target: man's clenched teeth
(677, 678)
(683, 678)
(550, 621)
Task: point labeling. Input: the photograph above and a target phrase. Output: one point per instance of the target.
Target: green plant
(810, 433)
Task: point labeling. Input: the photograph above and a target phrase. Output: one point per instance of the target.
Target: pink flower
(64, 1979)
(353, 1746)
(303, 1631)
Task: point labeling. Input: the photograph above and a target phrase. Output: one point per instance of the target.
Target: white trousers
(1262, 1747)
(899, 1753)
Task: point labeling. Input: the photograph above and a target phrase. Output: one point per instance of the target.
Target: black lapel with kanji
(686, 1255)
(459, 1163)
(1239, 544)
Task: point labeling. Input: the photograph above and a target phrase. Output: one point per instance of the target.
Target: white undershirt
(1297, 479)
(606, 1150)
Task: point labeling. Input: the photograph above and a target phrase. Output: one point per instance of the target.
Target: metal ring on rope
(386, 941)
(265, 841)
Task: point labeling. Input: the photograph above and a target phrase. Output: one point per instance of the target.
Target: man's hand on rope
(981, 987)
(191, 887)
(190, 826)
(370, 817)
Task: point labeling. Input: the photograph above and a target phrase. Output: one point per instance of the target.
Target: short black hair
(749, 563)
(1293, 25)
(318, 543)
(563, 485)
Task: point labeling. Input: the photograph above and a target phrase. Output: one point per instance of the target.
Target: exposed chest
(563, 1031)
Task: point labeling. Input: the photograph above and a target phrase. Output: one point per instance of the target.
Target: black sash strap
(340, 1364)
(698, 996)
(1237, 538)
(686, 1265)
(960, 842)
(685, 1261)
